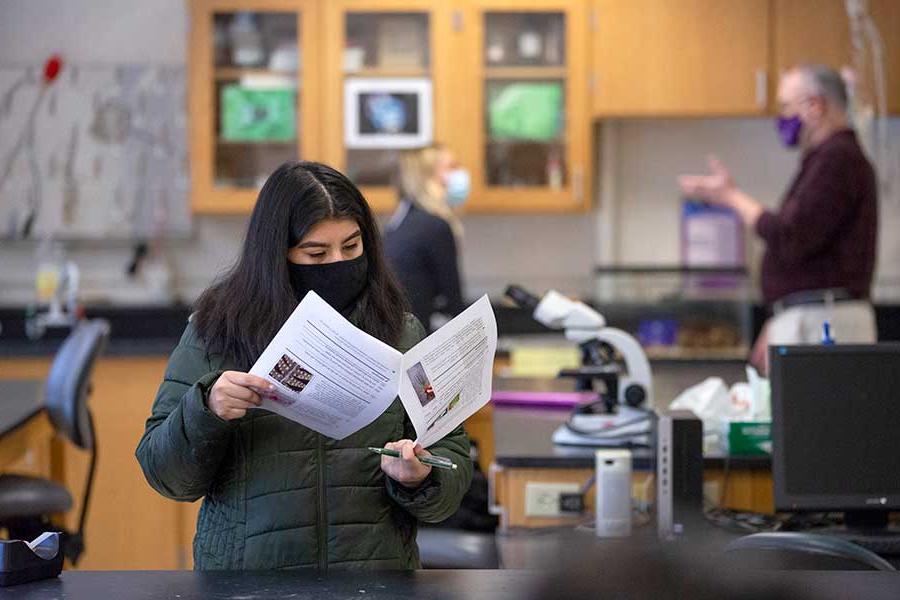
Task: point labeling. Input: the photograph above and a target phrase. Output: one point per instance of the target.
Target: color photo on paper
(421, 384)
(290, 374)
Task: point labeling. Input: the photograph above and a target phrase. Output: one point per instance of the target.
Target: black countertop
(522, 439)
(261, 585)
(20, 400)
(421, 585)
(135, 331)
(154, 330)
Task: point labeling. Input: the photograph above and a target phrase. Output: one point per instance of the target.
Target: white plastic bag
(717, 406)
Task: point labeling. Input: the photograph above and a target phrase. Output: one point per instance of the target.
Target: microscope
(609, 356)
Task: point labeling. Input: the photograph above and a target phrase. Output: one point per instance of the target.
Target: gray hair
(827, 83)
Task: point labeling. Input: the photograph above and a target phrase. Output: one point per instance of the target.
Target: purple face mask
(789, 130)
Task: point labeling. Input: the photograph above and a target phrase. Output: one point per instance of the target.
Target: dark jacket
(279, 495)
(421, 250)
(825, 233)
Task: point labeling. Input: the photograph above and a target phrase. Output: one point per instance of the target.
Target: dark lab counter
(421, 585)
(135, 331)
(299, 585)
(154, 330)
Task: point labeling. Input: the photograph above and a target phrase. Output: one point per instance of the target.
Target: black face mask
(339, 283)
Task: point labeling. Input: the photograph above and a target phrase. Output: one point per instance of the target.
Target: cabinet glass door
(530, 135)
(524, 100)
(387, 97)
(253, 99)
(385, 71)
(256, 95)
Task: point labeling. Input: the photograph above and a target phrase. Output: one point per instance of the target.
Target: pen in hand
(434, 461)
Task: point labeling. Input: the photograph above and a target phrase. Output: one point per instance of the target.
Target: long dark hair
(241, 312)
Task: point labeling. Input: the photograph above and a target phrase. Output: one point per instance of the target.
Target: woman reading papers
(275, 493)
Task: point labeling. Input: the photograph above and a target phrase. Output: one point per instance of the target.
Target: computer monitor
(836, 431)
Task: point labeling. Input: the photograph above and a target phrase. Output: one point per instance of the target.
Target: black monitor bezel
(785, 502)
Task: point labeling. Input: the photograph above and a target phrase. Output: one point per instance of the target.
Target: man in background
(821, 242)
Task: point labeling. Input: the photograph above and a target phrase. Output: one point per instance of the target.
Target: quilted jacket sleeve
(439, 496)
(184, 442)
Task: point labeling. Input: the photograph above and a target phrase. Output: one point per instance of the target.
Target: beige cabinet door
(818, 31)
(680, 57)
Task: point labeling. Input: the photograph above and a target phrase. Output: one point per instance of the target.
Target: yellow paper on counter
(543, 361)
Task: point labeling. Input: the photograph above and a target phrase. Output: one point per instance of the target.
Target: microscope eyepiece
(522, 297)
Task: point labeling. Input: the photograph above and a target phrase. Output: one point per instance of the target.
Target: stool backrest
(68, 384)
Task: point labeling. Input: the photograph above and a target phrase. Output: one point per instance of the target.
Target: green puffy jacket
(279, 495)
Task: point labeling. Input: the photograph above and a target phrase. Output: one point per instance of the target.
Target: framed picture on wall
(387, 113)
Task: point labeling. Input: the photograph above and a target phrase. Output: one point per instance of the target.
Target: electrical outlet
(542, 499)
(712, 491)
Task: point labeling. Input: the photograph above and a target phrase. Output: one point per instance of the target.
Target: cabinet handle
(493, 507)
(457, 20)
(762, 87)
(577, 183)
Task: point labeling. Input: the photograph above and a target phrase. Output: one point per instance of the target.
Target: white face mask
(458, 185)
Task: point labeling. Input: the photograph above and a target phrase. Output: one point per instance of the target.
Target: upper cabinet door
(818, 31)
(523, 126)
(680, 57)
(385, 87)
(253, 68)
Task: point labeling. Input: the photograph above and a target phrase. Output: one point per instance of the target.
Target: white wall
(649, 154)
(104, 31)
(637, 222)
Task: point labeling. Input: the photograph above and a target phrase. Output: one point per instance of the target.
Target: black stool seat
(23, 496)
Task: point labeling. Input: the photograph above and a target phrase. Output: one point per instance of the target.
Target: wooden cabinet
(513, 84)
(818, 31)
(253, 96)
(522, 125)
(27, 449)
(680, 57)
(347, 51)
(449, 45)
(744, 490)
(379, 58)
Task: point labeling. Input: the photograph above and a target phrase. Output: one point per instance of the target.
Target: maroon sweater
(824, 235)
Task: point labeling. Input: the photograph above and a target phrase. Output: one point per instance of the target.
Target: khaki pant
(852, 322)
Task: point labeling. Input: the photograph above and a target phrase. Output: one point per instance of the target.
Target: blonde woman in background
(421, 239)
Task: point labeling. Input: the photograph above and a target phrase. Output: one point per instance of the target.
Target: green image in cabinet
(258, 115)
(525, 111)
